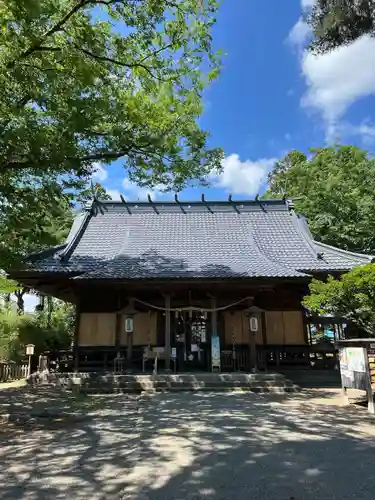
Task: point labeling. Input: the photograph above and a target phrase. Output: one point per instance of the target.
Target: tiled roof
(195, 240)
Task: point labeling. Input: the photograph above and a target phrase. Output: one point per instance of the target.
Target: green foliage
(7, 286)
(10, 324)
(352, 297)
(47, 331)
(340, 22)
(32, 217)
(91, 193)
(84, 81)
(336, 191)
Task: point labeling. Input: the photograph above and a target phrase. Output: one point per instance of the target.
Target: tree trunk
(20, 302)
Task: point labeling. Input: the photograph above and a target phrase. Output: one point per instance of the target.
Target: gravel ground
(189, 447)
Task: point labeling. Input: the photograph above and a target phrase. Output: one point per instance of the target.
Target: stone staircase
(314, 379)
(97, 383)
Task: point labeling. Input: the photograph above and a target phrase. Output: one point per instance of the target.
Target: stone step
(206, 388)
(99, 383)
(177, 383)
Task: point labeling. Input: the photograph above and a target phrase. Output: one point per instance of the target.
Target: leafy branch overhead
(84, 81)
(110, 80)
(351, 297)
(340, 22)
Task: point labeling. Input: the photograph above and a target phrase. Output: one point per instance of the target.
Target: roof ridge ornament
(290, 204)
(179, 203)
(206, 203)
(125, 203)
(152, 203)
(233, 203)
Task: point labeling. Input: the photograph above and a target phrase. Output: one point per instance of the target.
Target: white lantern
(128, 325)
(253, 322)
(30, 349)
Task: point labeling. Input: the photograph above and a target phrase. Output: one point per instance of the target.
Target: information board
(215, 353)
(353, 367)
(371, 363)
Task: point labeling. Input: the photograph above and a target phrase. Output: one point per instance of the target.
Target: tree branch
(118, 63)
(156, 52)
(37, 45)
(55, 28)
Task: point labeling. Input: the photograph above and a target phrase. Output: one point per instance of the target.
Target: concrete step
(173, 383)
(207, 388)
(99, 383)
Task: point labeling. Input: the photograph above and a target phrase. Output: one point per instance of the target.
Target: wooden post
(167, 332)
(129, 352)
(253, 354)
(370, 395)
(118, 326)
(76, 337)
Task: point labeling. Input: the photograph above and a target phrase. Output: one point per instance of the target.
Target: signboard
(215, 353)
(353, 367)
(174, 353)
(371, 363)
(128, 325)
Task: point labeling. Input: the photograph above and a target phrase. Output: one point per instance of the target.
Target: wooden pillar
(167, 348)
(76, 337)
(118, 331)
(252, 348)
(129, 352)
(118, 326)
(265, 342)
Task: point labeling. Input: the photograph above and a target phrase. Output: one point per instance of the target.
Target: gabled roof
(244, 239)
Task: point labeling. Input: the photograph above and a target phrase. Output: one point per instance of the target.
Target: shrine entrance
(190, 340)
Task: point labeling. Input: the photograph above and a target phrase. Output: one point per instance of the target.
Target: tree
(47, 330)
(83, 81)
(340, 22)
(334, 189)
(91, 193)
(351, 297)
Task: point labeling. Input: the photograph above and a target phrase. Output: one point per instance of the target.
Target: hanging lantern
(254, 324)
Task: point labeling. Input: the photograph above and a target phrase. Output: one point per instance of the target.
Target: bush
(48, 332)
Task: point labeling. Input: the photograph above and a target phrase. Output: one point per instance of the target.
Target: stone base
(99, 383)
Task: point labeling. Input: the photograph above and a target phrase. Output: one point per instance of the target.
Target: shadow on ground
(197, 446)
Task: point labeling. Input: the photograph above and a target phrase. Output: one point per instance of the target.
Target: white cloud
(299, 34)
(134, 192)
(99, 172)
(114, 194)
(337, 79)
(307, 5)
(242, 177)
(365, 130)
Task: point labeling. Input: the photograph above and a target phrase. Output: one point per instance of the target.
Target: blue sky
(272, 97)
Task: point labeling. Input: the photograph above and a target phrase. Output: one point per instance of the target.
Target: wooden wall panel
(275, 327)
(233, 325)
(97, 329)
(259, 333)
(293, 328)
(285, 327)
(145, 329)
(238, 323)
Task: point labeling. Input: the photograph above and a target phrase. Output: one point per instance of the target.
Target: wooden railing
(320, 356)
(12, 371)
